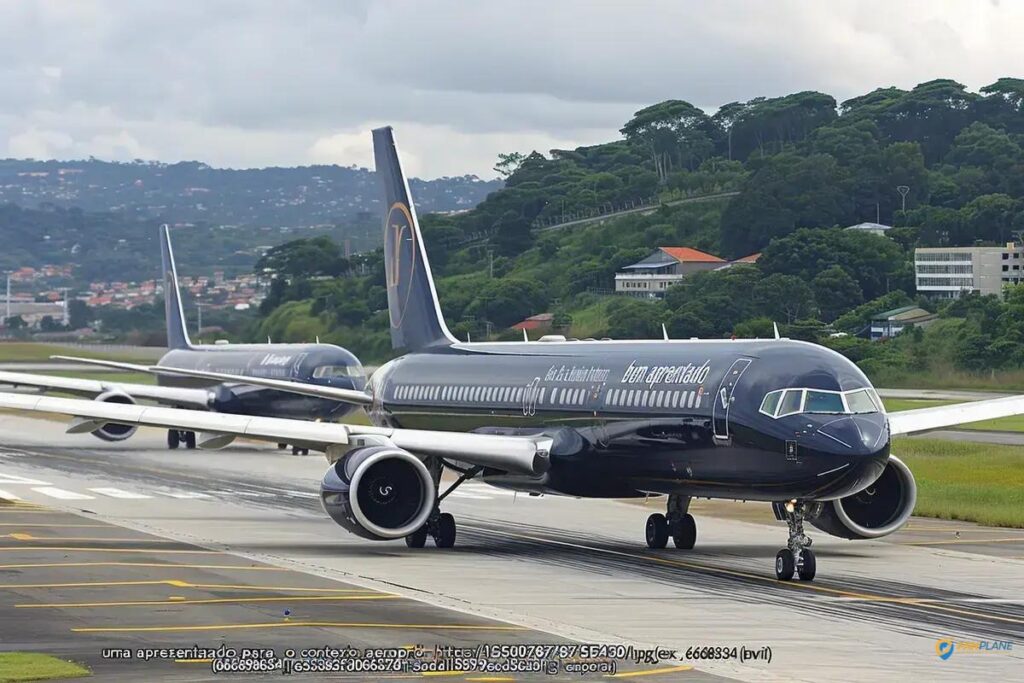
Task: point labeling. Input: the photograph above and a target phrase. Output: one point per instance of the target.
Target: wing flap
(937, 417)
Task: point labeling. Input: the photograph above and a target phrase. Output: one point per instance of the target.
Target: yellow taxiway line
(292, 624)
(213, 601)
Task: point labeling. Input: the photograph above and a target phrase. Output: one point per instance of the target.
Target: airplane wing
(518, 454)
(924, 419)
(114, 364)
(194, 398)
(344, 395)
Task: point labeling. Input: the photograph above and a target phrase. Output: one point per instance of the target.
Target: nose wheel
(677, 524)
(797, 558)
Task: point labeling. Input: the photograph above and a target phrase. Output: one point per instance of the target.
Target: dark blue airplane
(774, 420)
(336, 373)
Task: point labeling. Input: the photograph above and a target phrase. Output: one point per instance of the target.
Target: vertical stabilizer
(416, 320)
(177, 334)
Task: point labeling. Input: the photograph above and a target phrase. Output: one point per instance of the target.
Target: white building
(949, 271)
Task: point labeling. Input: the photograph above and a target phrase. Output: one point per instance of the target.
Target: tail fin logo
(400, 236)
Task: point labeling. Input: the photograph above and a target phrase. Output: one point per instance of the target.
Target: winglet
(664, 332)
(177, 333)
(775, 327)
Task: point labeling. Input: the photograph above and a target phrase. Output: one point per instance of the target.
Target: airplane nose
(862, 433)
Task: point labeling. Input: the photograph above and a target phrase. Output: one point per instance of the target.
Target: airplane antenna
(317, 337)
(468, 339)
(526, 337)
(664, 332)
(268, 340)
(776, 328)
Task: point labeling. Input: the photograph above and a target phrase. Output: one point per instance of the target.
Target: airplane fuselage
(685, 417)
(322, 364)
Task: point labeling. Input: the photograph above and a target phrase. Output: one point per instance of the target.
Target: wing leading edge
(518, 454)
(194, 398)
(937, 417)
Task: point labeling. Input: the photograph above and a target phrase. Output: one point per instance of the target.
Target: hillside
(796, 169)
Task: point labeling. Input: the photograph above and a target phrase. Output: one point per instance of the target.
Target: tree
(508, 163)
(784, 297)
(674, 133)
(836, 292)
(79, 314)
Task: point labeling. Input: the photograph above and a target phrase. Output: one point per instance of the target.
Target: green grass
(894, 405)
(968, 481)
(40, 352)
(32, 666)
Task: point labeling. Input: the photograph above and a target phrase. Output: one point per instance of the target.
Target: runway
(563, 569)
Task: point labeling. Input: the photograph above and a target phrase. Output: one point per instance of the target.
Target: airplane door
(724, 397)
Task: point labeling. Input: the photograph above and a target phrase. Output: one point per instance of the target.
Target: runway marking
(292, 624)
(34, 524)
(15, 479)
(470, 496)
(65, 549)
(165, 565)
(62, 494)
(184, 495)
(177, 583)
(302, 494)
(651, 672)
(7, 495)
(956, 541)
(962, 529)
(794, 585)
(119, 493)
(65, 539)
(213, 601)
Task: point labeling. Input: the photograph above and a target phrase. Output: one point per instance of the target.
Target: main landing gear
(677, 523)
(440, 525)
(797, 557)
(175, 437)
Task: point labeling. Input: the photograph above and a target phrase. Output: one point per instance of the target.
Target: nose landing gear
(677, 523)
(797, 557)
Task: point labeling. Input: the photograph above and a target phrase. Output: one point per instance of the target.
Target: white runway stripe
(184, 495)
(119, 493)
(15, 479)
(62, 494)
(463, 494)
(6, 495)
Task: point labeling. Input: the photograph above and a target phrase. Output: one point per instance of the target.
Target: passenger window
(791, 402)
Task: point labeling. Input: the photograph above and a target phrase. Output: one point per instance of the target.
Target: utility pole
(8, 316)
(67, 314)
(199, 321)
(490, 263)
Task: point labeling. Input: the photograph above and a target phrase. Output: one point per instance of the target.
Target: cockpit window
(791, 402)
(824, 402)
(782, 402)
(336, 371)
(863, 401)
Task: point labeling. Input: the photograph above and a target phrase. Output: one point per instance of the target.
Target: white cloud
(258, 82)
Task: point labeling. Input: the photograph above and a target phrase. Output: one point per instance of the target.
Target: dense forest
(784, 174)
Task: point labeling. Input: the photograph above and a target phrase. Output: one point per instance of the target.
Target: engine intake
(378, 492)
(111, 431)
(877, 511)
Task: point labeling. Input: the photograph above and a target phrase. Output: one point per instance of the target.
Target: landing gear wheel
(172, 438)
(299, 451)
(282, 446)
(418, 538)
(785, 564)
(444, 535)
(807, 565)
(657, 531)
(684, 534)
(190, 440)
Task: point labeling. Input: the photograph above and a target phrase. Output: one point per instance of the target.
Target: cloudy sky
(245, 83)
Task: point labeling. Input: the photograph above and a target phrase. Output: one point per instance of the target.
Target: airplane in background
(783, 421)
(337, 374)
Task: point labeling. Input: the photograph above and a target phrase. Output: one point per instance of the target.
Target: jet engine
(878, 510)
(111, 431)
(378, 492)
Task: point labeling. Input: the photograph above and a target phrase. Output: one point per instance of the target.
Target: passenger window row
(658, 398)
(462, 394)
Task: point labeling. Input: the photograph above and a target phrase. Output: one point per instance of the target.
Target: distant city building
(947, 272)
(890, 323)
(872, 228)
(665, 267)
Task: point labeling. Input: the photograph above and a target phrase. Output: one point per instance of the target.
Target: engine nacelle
(378, 492)
(877, 511)
(111, 431)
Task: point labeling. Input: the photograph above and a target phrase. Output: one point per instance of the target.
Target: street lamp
(904, 190)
